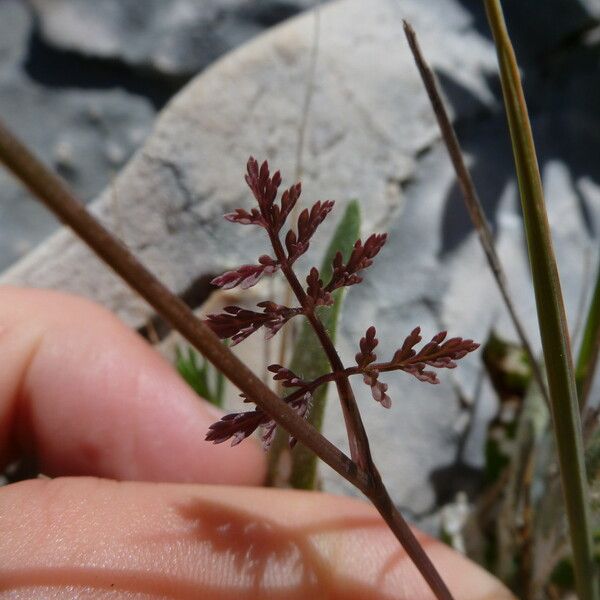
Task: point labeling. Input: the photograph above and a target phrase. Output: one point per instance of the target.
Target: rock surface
(176, 38)
(87, 135)
(80, 82)
(370, 135)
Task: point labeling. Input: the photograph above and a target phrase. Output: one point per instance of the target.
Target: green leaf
(551, 313)
(590, 346)
(203, 378)
(592, 457)
(309, 362)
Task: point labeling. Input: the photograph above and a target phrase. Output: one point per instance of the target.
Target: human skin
(140, 506)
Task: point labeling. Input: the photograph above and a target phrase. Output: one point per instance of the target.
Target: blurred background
(82, 81)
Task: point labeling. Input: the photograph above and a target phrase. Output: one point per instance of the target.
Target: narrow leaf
(551, 313)
(590, 346)
(309, 360)
(204, 379)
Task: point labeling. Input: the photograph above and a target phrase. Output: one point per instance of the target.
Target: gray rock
(76, 75)
(86, 135)
(370, 135)
(15, 25)
(176, 38)
(593, 7)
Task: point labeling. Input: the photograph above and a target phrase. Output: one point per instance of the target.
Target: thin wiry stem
(55, 194)
(287, 334)
(308, 92)
(472, 201)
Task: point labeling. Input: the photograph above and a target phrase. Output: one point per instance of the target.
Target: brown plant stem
(472, 200)
(357, 436)
(54, 193)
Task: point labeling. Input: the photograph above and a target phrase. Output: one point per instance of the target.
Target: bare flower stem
(472, 201)
(357, 436)
(54, 193)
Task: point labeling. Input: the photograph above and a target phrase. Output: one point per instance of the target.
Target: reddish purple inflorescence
(237, 323)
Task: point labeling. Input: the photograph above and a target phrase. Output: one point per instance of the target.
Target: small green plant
(201, 376)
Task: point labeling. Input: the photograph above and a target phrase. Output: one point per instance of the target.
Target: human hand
(92, 403)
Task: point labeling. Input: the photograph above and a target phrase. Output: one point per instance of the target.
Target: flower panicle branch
(315, 291)
(364, 360)
(238, 426)
(298, 243)
(247, 275)
(362, 257)
(238, 323)
(436, 353)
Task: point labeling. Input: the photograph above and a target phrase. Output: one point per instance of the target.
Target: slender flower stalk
(472, 201)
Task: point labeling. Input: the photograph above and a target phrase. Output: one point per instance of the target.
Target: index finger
(84, 395)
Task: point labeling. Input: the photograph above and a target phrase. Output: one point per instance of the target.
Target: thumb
(96, 538)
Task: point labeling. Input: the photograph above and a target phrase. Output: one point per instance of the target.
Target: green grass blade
(309, 362)
(219, 394)
(551, 314)
(587, 358)
(198, 376)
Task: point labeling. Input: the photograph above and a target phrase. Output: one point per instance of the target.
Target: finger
(70, 537)
(87, 396)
